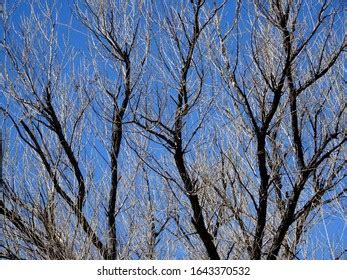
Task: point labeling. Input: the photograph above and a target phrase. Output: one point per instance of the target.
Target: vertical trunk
(263, 197)
(198, 219)
(116, 141)
(117, 134)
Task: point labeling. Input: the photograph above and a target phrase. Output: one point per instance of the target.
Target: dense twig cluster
(195, 129)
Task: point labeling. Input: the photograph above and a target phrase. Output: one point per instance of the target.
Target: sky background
(77, 38)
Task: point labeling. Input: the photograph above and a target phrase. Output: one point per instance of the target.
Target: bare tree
(288, 97)
(57, 109)
(194, 129)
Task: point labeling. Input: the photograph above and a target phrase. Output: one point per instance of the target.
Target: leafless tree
(179, 129)
(288, 96)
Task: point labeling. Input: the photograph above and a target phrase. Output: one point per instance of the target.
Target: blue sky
(75, 34)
